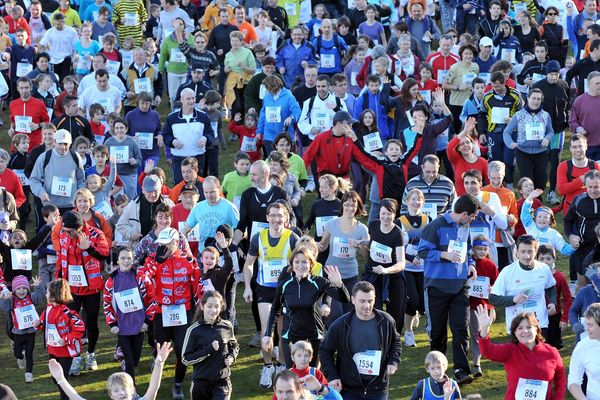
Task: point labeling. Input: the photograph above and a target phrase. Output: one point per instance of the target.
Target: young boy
(46, 252)
(438, 384)
(102, 168)
(98, 129)
(560, 319)
(371, 98)
(236, 182)
(189, 196)
(471, 107)
(152, 23)
(81, 144)
(212, 108)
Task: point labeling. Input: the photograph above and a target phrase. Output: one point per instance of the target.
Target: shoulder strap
(336, 42)
(48, 156)
(338, 104)
(591, 167)
(424, 219)
(319, 42)
(311, 103)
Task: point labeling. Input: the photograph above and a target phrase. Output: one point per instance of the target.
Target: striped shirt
(129, 16)
(440, 192)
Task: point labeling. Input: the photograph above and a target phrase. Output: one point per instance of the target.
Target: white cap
(62, 136)
(485, 41)
(167, 235)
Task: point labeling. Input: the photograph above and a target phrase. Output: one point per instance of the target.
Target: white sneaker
(409, 339)
(76, 366)
(21, 363)
(90, 362)
(310, 185)
(553, 198)
(279, 368)
(573, 288)
(266, 376)
(28, 377)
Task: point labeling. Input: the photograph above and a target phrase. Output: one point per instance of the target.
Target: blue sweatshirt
(280, 108)
(586, 296)
(145, 122)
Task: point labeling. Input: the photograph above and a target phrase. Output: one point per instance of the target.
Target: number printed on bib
(368, 362)
(531, 389)
(21, 259)
(145, 140)
(23, 124)
(23, 69)
(534, 131)
(129, 300)
(342, 249)
(248, 144)
(327, 60)
(121, 153)
(61, 186)
(26, 316)
(141, 85)
(52, 336)
(480, 287)
(77, 276)
(272, 269)
(430, 209)
(320, 223)
(177, 56)
(174, 315)
(459, 247)
(372, 142)
(273, 114)
(104, 209)
(380, 253)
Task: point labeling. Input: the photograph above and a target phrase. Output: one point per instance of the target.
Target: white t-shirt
(110, 99)
(90, 80)
(61, 43)
(585, 360)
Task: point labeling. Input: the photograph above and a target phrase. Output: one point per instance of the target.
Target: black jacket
(336, 357)
(556, 102)
(582, 218)
(76, 125)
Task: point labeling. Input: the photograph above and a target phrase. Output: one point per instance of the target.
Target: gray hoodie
(61, 170)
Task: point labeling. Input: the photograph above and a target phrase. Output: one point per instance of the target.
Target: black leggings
(554, 161)
(91, 305)
(287, 351)
(211, 390)
(25, 343)
(65, 363)
(415, 292)
(534, 166)
(131, 346)
(176, 334)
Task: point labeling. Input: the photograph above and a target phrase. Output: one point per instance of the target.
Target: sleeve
(452, 150)
(576, 308)
(194, 352)
(560, 381)
(341, 294)
(574, 118)
(495, 352)
(576, 365)
(147, 288)
(328, 350)
(77, 328)
(39, 239)
(304, 125)
(564, 186)
(428, 244)
(508, 130)
(526, 219)
(567, 299)
(109, 312)
(417, 393)
(571, 219)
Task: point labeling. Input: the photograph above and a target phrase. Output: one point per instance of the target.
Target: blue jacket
(329, 47)
(288, 106)
(509, 43)
(291, 59)
(586, 296)
(384, 123)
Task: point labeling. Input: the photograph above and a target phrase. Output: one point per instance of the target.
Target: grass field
(91, 385)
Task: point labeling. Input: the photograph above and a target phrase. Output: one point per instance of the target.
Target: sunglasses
(552, 14)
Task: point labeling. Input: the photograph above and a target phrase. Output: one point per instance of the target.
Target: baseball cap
(485, 41)
(63, 136)
(343, 116)
(226, 231)
(190, 188)
(167, 235)
(152, 183)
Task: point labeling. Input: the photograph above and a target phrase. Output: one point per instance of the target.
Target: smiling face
(120, 130)
(125, 260)
(526, 332)
(480, 252)
(301, 265)
(277, 218)
(163, 220)
(496, 178)
(121, 392)
(592, 187)
(393, 152)
(472, 185)
(542, 219)
(534, 101)
(212, 309)
(592, 328)
(578, 149)
(82, 203)
(209, 260)
(526, 253)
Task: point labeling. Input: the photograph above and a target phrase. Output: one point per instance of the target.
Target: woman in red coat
(533, 368)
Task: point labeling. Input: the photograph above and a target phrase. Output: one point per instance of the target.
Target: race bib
(50, 111)
(145, 140)
(121, 153)
(534, 131)
(112, 67)
(130, 19)
(23, 69)
(468, 78)
(353, 76)
(177, 56)
(273, 114)
(380, 253)
(257, 227)
(142, 85)
(441, 76)
(83, 63)
(21, 175)
(272, 269)
(372, 142)
(23, 124)
(327, 60)
(26, 316)
(537, 77)
(412, 250)
(430, 209)
(104, 209)
(99, 139)
(207, 285)
(475, 231)
(426, 95)
(459, 247)
(21, 259)
(193, 235)
(480, 287)
(248, 144)
(500, 114)
(77, 276)
(174, 315)
(52, 336)
(50, 258)
(368, 362)
(342, 249)
(531, 389)
(321, 120)
(509, 55)
(290, 9)
(320, 223)
(485, 76)
(529, 305)
(61, 186)
(129, 300)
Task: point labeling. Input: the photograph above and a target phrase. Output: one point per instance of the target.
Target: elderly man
(141, 77)
(187, 132)
(137, 218)
(585, 118)
(58, 174)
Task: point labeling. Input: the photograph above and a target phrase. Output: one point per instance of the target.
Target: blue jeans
(177, 177)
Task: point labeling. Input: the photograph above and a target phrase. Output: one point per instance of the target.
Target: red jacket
(176, 280)
(484, 267)
(243, 131)
(180, 214)
(34, 108)
(91, 259)
(562, 291)
(70, 328)
(569, 188)
(461, 165)
(333, 154)
(146, 288)
(11, 182)
(14, 25)
(543, 363)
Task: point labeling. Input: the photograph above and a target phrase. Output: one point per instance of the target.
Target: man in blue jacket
(330, 49)
(293, 56)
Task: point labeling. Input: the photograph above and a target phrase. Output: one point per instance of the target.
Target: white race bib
(321, 120)
(468, 78)
(412, 250)
(83, 63)
(129, 300)
(534, 131)
(145, 140)
(368, 362)
(509, 55)
(61, 186)
(174, 315)
(531, 389)
(273, 114)
(327, 60)
(380, 253)
(26, 316)
(177, 56)
(194, 234)
(248, 144)
(485, 76)
(480, 287)
(459, 247)
(426, 95)
(142, 85)
(499, 115)
(52, 336)
(537, 77)
(121, 153)
(272, 269)
(130, 19)
(342, 249)
(441, 76)
(50, 258)
(112, 67)
(21, 259)
(290, 9)
(104, 209)
(320, 223)
(530, 305)
(23, 69)
(353, 76)
(21, 175)
(475, 231)
(257, 227)
(430, 209)
(372, 142)
(23, 123)
(77, 276)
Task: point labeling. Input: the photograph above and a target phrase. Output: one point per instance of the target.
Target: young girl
(249, 143)
(214, 277)
(21, 321)
(128, 308)
(357, 60)
(42, 92)
(479, 293)
(126, 52)
(101, 188)
(17, 163)
(427, 82)
(368, 134)
(82, 145)
(63, 328)
(211, 347)
(70, 86)
(283, 143)
(372, 28)
(343, 31)
(525, 187)
(128, 155)
(314, 25)
(541, 226)
(120, 385)
(85, 49)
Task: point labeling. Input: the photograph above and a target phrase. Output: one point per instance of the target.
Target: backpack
(48, 156)
(591, 165)
(336, 44)
(311, 102)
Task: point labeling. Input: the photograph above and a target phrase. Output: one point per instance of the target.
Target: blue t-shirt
(210, 217)
(85, 67)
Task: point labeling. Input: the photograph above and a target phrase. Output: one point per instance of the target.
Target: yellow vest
(272, 259)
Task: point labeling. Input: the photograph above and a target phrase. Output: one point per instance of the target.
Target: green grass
(91, 385)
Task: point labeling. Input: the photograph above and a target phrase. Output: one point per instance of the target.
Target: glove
(161, 254)
(578, 328)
